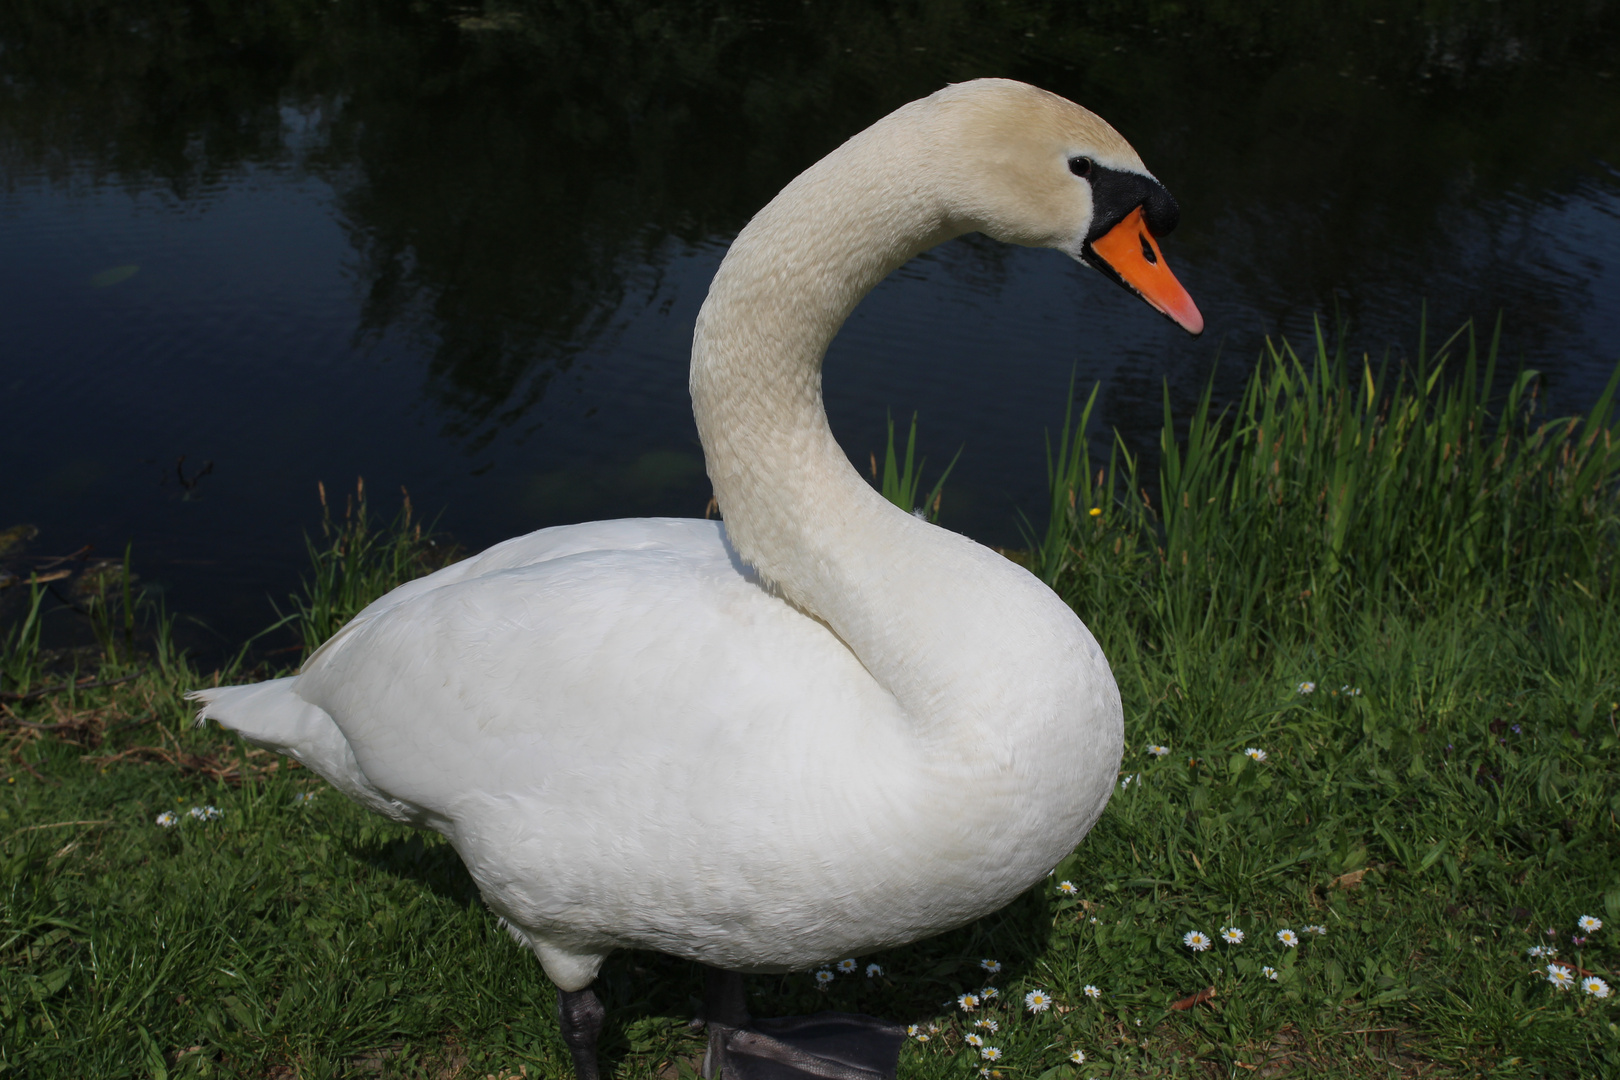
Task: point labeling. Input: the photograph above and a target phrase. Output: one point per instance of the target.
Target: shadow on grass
(424, 859)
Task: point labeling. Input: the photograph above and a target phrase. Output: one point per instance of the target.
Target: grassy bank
(1395, 589)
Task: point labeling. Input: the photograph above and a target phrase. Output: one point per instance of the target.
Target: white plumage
(635, 739)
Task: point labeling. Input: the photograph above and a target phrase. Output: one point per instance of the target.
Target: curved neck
(964, 640)
(996, 678)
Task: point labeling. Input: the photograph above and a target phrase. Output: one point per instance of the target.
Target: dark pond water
(460, 248)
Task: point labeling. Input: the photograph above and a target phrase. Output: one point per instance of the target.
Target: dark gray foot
(580, 1014)
(826, 1046)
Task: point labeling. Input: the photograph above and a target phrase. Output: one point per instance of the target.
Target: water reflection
(531, 197)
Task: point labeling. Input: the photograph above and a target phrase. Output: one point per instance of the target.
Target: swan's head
(1034, 168)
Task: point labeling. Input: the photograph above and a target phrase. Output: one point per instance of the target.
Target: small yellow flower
(1096, 511)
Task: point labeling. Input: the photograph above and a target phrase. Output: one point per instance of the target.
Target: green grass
(1439, 563)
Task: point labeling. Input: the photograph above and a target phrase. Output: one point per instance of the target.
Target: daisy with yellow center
(1231, 935)
(992, 966)
(1595, 986)
(991, 1053)
(1288, 938)
(1037, 1001)
(1560, 976)
(823, 977)
(974, 1040)
(1196, 940)
(967, 1002)
(847, 966)
(1588, 923)
(1255, 753)
(1092, 992)
(1077, 1056)
(1068, 888)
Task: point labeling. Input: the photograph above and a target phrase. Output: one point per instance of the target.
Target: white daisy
(1288, 938)
(1255, 753)
(973, 1040)
(992, 966)
(1306, 688)
(1157, 751)
(873, 970)
(988, 1024)
(1092, 992)
(824, 977)
(1068, 888)
(1595, 986)
(1588, 923)
(989, 993)
(911, 1030)
(847, 966)
(167, 819)
(991, 1053)
(205, 813)
(1231, 935)
(1542, 950)
(1077, 1056)
(1195, 940)
(1316, 929)
(1037, 1001)
(1270, 973)
(967, 1002)
(924, 1037)
(1560, 976)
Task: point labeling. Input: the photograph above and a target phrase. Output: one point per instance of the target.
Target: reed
(1330, 489)
(359, 559)
(902, 479)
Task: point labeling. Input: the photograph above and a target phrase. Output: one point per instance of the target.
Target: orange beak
(1131, 256)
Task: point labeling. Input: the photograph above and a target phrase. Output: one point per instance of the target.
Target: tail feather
(272, 715)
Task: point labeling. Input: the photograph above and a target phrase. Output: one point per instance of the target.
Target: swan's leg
(725, 1008)
(827, 1046)
(580, 1014)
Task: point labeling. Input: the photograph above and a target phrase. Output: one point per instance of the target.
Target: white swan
(823, 728)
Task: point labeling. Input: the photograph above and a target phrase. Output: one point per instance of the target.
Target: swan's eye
(1080, 166)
